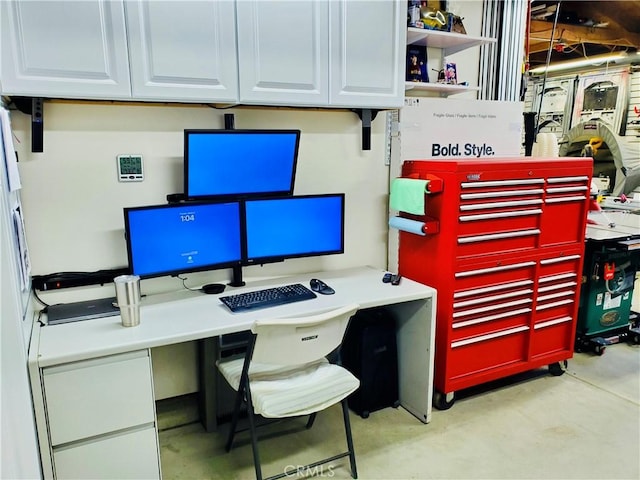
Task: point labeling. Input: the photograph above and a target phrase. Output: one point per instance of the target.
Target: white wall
(73, 202)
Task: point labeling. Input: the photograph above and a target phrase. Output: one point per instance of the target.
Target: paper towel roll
(406, 225)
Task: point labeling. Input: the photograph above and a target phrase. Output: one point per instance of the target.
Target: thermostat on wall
(130, 168)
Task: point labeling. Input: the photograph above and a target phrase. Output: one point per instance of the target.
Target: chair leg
(254, 439)
(312, 419)
(347, 428)
(234, 419)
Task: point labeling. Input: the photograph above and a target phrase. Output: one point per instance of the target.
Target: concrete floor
(584, 424)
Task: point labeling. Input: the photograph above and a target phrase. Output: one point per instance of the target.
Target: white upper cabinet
(283, 52)
(183, 50)
(367, 47)
(64, 49)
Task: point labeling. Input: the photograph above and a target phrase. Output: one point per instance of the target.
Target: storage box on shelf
(506, 263)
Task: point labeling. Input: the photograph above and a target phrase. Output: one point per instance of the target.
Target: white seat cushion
(278, 391)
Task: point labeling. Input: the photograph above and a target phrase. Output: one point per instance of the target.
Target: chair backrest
(293, 341)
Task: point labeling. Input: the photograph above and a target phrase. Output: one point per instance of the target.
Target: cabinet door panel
(131, 455)
(367, 53)
(64, 49)
(183, 50)
(283, 52)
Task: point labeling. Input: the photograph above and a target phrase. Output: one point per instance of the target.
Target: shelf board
(450, 42)
(441, 88)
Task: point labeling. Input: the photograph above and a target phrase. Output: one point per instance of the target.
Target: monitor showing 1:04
(239, 163)
(181, 238)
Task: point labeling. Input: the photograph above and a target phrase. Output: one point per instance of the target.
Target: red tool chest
(506, 263)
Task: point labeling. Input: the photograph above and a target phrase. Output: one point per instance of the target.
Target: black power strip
(55, 281)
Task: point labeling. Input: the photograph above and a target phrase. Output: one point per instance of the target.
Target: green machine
(612, 259)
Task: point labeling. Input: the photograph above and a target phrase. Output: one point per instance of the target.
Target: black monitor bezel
(273, 259)
(239, 195)
(202, 268)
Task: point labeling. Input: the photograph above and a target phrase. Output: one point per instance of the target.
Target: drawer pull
(549, 261)
(498, 236)
(490, 318)
(501, 183)
(504, 193)
(550, 288)
(552, 322)
(573, 198)
(513, 203)
(489, 216)
(567, 179)
(551, 296)
(492, 298)
(553, 304)
(490, 308)
(488, 336)
(493, 288)
(501, 268)
(566, 189)
(553, 278)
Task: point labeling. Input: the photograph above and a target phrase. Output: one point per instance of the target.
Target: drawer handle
(553, 304)
(501, 268)
(549, 261)
(498, 236)
(550, 288)
(488, 336)
(490, 308)
(488, 216)
(504, 193)
(567, 179)
(564, 293)
(493, 288)
(514, 203)
(565, 199)
(566, 189)
(501, 183)
(552, 322)
(497, 316)
(553, 278)
(492, 298)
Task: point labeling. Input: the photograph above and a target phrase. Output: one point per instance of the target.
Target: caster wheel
(599, 350)
(558, 368)
(365, 414)
(443, 401)
(635, 339)
(396, 404)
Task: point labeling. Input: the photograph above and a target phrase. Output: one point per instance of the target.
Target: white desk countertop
(184, 316)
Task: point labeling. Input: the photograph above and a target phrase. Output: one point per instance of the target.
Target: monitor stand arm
(236, 278)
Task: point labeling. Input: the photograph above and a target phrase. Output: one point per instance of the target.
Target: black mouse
(321, 287)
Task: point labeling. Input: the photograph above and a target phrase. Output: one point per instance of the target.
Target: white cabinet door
(64, 49)
(183, 50)
(283, 52)
(368, 43)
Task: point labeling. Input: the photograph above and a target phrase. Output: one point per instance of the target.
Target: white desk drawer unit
(101, 416)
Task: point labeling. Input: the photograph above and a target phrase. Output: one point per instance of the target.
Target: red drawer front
(565, 207)
(478, 311)
(490, 351)
(493, 274)
(558, 288)
(552, 336)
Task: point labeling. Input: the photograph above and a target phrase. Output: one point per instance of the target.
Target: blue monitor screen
(239, 163)
(184, 237)
(302, 226)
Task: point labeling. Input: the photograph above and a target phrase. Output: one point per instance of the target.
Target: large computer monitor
(183, 237)
(239, 163)
(290, 227)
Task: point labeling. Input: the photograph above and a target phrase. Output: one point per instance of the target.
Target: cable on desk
(184, 279)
